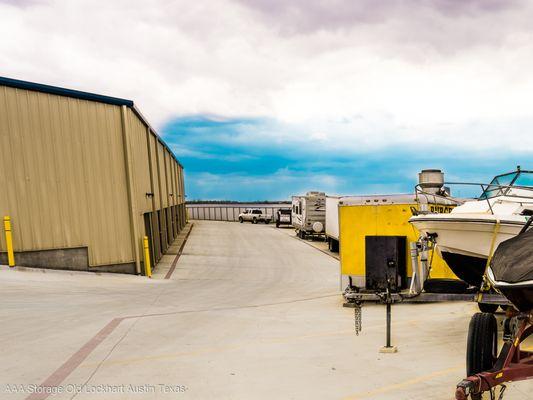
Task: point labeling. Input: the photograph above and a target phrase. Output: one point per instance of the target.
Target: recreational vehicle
(309, 214)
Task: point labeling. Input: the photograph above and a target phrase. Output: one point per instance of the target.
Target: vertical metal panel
(166, 158)
(162, 177)
(156, 198)
(132, 204)
(154, 224)
(181, 197)
(63, 162)
(172, 166)
(163, 195)
(141, 168)
(176, 182)
(155, 169)
(182, 185)
(177, 217)
(168, 213)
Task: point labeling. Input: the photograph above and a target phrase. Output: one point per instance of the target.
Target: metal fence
(226, 212)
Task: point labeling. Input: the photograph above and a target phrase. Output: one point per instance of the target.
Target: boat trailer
(512, 363)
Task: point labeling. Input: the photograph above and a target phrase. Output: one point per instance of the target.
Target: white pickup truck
(254, 215)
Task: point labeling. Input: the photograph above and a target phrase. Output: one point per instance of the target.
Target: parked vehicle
(254, 215)
(283, 217)
(332, 222)
(309, 214)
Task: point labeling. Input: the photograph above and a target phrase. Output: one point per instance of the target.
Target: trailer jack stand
(388, 348)
(388, 300)
(512, 364)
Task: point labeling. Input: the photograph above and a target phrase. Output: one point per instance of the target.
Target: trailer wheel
(241, 220)
(487, 308)
(482, 344)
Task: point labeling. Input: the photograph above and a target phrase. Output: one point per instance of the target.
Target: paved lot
(249, 313)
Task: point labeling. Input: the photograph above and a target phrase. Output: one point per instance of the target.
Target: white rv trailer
(332, 222)
(309, 213)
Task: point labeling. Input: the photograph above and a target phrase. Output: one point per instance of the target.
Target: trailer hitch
(464, 389)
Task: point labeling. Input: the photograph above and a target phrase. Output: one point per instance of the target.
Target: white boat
(467, 235)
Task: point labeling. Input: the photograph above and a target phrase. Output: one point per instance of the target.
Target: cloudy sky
(261, 99)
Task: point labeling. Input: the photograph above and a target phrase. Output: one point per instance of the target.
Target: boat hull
(465, 242)
(521, 297)
(467, 268)
(519, 294)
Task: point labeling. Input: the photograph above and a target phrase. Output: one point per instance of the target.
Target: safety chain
(358, 317)
(502, 390)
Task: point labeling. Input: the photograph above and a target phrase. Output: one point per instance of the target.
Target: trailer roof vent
(431, 180)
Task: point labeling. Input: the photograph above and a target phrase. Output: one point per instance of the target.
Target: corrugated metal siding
(173, 181)
(182, 189)
(155, 169)
(137, 132)
(162, 174)
(168, 170)
(63, 175)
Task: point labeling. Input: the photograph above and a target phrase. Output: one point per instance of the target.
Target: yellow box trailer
(388, 215)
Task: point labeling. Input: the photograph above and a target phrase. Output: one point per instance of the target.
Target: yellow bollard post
(9, 242)
(147, 268)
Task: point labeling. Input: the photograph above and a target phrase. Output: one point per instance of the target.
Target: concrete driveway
(248, 313)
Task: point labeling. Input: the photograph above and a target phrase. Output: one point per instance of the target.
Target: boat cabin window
(524, 179)
(501, 184)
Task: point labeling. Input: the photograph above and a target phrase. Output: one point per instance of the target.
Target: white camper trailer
(332, 222)
(309, 213)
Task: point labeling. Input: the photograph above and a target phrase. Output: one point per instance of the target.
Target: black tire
(444, 285)
(254, 221)
(267, 221)
(487, 308)
(482, 344)
(241, 220)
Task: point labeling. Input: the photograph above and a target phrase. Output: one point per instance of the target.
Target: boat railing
(503, 190)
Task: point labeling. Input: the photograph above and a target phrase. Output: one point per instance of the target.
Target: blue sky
(251, 159)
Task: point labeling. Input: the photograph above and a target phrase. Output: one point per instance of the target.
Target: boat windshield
(501, 184)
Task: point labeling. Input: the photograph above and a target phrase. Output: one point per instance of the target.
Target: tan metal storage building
(84, 178)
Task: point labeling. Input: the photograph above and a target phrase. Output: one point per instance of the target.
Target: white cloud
(353, 75)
